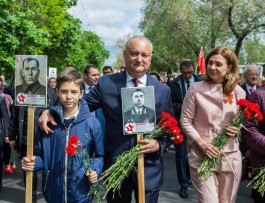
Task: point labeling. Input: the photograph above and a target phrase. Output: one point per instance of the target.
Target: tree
(178, 28)
(244, 18)
(45, 27)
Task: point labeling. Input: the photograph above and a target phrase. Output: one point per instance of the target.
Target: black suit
(147, 115)
(178, 93)
(244, 87)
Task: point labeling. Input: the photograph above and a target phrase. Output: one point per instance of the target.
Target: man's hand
(6, 139)
(92, 176)
(28, 164)
(150, 146)
(44, 119)
(12, 144)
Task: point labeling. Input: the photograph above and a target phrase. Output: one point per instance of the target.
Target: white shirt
(191, 81)
(249, 88)
(130, 83)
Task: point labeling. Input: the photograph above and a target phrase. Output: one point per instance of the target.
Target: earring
(228, 76)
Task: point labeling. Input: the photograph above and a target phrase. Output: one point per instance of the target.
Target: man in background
(91, 76)
(251, 75)
(107, 70)
(179, 88)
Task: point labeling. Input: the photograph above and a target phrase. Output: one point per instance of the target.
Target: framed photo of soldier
(138, 108)
(31, 80)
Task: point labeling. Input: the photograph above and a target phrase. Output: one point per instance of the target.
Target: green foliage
(45, 27)
(178, 28)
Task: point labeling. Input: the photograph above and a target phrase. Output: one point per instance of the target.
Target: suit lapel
(120, 82)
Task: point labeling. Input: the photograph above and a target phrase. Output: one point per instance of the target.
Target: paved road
(13, 189)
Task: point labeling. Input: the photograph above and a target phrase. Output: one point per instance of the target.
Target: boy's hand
(28, 164)
(44, 119)
(92, 176)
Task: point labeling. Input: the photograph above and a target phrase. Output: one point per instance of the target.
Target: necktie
(251, 90)
(136, 82)
(188, 84)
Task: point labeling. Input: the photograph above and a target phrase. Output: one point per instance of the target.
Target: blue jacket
(61, 171)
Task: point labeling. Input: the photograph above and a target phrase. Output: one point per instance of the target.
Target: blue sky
(110, 20)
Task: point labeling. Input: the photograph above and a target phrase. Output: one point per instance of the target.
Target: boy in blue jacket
(66, 178)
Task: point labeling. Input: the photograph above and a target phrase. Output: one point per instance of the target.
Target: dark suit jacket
(4, 123)
(177, 94)
(244, 87)
(107, 95)
(254, 132)
(147, 116)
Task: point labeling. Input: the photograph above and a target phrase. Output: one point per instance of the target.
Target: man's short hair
(138, 37)
(88, 67)
(29, 60)
(186, 63)
(70, 76)
(137, 90)
(246, 69)
(107, 67)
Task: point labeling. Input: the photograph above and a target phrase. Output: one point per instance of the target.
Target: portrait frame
(138, 122)
(31, 88)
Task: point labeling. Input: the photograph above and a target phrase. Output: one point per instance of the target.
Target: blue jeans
(182, 164)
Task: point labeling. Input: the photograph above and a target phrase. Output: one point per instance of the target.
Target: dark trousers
(125, 193)
(257, 197)
(7, 153)
(182, 164)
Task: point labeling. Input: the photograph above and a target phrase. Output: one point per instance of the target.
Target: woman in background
(52, 82)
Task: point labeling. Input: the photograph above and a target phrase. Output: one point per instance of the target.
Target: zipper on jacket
(46, 180)
(65, 164)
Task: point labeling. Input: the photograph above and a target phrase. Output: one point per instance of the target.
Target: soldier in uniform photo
(30, 74)
(139, 113)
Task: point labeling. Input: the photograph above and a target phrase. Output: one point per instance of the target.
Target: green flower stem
(116, 173)
(258, 182)
(208, 164)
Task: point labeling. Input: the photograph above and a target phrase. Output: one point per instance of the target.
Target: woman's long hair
(231, 79)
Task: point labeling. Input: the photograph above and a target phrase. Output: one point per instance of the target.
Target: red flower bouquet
(246, 110)
(12, 164)
(114, 175)
(72, 149)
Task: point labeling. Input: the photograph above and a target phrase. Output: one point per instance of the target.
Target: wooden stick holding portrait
(138, 107)
(30, 91)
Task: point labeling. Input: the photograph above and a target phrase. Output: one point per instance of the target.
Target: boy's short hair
(70, 75)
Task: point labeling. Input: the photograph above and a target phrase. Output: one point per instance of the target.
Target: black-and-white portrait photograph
(31, 80)
(138, 107)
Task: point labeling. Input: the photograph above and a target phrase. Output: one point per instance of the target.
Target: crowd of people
(89, 106)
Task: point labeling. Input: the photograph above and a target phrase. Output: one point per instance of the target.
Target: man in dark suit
(107, 95)
(139, 113)
(30, 74)
(251, 75)
(179, 87)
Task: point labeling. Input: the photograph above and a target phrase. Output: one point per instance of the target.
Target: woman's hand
(44, 119)
(210, 150)
(207, 148)
(232, 131)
